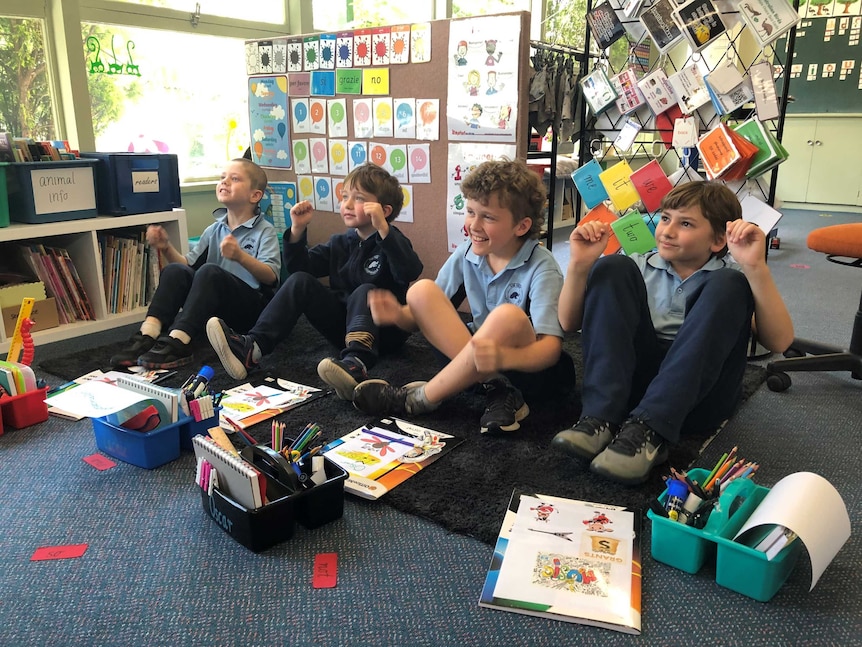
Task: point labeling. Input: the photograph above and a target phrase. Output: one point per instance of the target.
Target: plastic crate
(130, 183)
(19, 411)
(51, 191)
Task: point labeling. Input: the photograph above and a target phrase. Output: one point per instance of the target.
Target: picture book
(617, 182)
(660, 25)
(605, 25)
(652, 185)
(247, 405)
(629, 95)
(657, 92)
(385, 453)
(690, 89)
(768, 20)
(598, 91)
(634, 234)
(568, 560)
(700, 22)
(586, 179)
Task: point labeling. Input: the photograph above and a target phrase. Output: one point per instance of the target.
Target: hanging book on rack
(660, 25)
(598, 91)
(700, 23)
(768, 20)
(603, 214)
(605, 25)
(630, 97)
(690, 89)
(725, 154)
(634, 234)
(657, 91)
(770, 151)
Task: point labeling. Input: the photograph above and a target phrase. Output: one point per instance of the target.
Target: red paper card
(325, 571)
(651, 184)
(58, 552)
(99, 462)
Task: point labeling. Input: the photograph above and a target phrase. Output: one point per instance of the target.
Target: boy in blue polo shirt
(232, 272)
(665, 333)
(512, 285)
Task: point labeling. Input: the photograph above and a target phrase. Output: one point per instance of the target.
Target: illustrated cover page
(659, 23)
(605, 25)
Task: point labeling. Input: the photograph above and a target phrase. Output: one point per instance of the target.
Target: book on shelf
(700, 22)
(7, 148)
(385, 453)
(660, 25)
(618, 183)
(605, 25)
(768, 20)
(568, 560)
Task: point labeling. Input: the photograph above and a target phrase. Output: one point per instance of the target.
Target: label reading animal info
(63, 189)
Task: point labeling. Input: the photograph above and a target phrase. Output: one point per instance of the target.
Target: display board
(826, 70)
(417, 99)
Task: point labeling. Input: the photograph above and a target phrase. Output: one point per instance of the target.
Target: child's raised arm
(157, 238)
(300, 215)
(587, 242)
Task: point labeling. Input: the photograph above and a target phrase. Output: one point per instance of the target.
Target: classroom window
(369, 13)
(257, 10)
(26, 100)
(484, 7)
(188, 99)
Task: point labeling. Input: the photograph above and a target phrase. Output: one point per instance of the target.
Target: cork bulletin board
(431, 201)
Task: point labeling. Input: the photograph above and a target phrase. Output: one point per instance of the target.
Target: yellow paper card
(618, 183)
(375, 80)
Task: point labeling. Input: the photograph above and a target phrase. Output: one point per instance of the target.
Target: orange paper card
(601, 212)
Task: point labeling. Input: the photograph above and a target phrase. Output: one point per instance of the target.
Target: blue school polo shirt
(532, 281)
(256, 236)
(667, 292)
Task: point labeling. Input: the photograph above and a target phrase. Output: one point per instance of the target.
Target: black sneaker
(587, 438)
(235, 351)
(379, 398)
(504, 408)
(632, 454)
(167, 352)
(342, 374)
(138, 344)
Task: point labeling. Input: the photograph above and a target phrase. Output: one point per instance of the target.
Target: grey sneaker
(631, 455)
(235, 351)
(587, 438)
(343, 375)
(379, 398)
(504, 409)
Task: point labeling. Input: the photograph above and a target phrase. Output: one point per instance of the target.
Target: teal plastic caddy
(738, 566)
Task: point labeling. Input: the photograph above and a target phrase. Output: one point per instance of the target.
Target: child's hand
(230, 248)
(301, 214)
(385, 309)
(746, 242)
(378, 217)
(486, 355)
(587, 242)
(157, 237)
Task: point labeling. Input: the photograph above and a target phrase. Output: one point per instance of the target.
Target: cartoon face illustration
(544, 511)
(598, 523)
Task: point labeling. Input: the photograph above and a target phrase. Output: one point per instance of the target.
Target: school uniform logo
(515, 293)
(373, 265)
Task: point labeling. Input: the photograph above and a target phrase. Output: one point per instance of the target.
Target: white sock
(151, 327)
(182, 336)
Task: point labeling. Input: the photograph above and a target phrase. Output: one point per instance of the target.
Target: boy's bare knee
(423, 292)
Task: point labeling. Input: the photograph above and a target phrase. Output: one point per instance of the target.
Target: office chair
(842, 244)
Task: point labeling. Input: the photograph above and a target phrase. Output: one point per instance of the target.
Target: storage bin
(276, 521)
(130, 183)
(19, 411)
(738, 566)
(51, 191)
(150, 449)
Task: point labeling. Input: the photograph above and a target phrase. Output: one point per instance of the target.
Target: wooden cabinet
(821, 168)
(80, 238)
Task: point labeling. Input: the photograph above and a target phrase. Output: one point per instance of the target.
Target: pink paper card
(99, 462)
(325, 571)
(58, 552)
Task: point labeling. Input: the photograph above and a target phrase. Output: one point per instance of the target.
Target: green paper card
(633, 234)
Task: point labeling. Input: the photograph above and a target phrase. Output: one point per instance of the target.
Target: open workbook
(380, 455)
(568, 560)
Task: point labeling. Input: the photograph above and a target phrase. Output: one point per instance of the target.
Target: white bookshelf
(80, 237)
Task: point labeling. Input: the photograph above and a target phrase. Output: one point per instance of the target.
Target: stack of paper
(725, 154)
(770, 151)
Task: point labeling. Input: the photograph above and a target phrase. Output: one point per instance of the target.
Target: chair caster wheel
(793, 352)
(778, 382)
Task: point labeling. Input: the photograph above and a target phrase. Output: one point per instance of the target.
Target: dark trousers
(343, 321)
(694, 381)
(210, 291)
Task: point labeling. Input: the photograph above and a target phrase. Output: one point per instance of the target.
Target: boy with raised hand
(231, 272)
(512, 285)
(371, 253)
(665, 333)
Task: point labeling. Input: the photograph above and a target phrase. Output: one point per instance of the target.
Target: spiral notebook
(237, 478)
(171, 398)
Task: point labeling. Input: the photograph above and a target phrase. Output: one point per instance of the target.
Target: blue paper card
(587, 181)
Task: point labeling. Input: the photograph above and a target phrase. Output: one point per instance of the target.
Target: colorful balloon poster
(406, 213)
(378, 154)
(267, 115)
(405, 118)
(301, 157)
(319, 154)
(363, 125)
(382, 109)
(357, 154)
(428, 119)
(418, 163)
(337, 111)
(317, 114)
(299, 117)
(397, 162)
(305, 188)
(323, 194)
(338, 164)
(275, 205)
